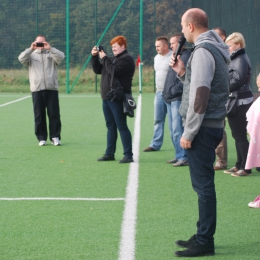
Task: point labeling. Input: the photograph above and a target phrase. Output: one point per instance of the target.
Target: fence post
(68, 46)
(141, 45)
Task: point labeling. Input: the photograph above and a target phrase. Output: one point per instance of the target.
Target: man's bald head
(197, 17)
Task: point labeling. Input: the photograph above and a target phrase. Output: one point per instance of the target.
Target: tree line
(22, 20)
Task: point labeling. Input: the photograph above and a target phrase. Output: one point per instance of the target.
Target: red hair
(121, 40)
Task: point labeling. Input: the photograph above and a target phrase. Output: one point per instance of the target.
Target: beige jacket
(43, 73)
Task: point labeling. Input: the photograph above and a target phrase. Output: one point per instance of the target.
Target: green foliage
(22, 20)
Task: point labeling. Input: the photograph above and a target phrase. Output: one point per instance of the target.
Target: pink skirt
(253, 128)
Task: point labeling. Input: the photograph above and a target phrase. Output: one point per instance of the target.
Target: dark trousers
(46, 100)
(116, 120)
(238, 126)
(201, 158)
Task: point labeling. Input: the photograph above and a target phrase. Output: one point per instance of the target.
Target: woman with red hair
(123, 66)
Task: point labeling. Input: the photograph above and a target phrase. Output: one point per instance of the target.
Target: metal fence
(237, 16)
(74, 27)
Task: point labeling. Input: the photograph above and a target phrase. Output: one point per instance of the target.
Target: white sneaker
(42, 143)
(56, 141)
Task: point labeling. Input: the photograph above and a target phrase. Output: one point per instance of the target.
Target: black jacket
(124, 71)
(173, 87)
(240, 73)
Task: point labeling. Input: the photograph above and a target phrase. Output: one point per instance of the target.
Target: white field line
(11, 102)
(49, 198)
(128, 228)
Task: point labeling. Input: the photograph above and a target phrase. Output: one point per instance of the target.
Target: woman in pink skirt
(253, 125)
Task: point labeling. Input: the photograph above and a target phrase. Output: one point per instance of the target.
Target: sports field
(59, 203)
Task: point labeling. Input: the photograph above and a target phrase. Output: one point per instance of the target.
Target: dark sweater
(173, 87)
(124, 71)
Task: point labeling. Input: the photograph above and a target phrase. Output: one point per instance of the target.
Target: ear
(191, 27)
(223, 38)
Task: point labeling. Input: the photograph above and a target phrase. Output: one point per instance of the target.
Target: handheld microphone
(181, 41)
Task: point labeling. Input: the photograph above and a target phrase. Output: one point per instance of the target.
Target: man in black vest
(205, 92)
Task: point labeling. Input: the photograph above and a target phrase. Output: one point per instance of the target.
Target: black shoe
(186, 244)
(149, 149)
(257, 168)
(107, 157)
(126, 160)
(197, 249)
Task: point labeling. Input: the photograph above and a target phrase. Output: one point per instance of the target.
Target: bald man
(205, 92)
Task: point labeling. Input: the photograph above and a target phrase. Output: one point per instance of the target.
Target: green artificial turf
(66, 230)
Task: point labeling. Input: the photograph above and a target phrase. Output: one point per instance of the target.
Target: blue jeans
(116, 120)
(160, 111)
(176, 128)
(201, 158)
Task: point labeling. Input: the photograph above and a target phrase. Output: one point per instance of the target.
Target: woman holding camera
(239, 76)
(123, 67)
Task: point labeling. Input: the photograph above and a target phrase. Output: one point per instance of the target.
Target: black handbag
(231, 105)
(129, 105)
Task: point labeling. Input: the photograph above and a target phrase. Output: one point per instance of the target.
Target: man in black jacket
(221, 151)
(172, 94)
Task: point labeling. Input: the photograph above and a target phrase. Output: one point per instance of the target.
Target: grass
(16, 81)
(167, 205)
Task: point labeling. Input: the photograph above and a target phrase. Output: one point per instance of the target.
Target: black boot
(197, 249)
(126, 160)
(187, 243)
(107, 157)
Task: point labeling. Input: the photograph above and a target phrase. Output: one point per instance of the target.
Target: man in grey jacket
(205, 92)
(42, 60)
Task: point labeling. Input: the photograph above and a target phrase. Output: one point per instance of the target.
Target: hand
(185, 144)
(102, 54)
(94, 51)
(178, 66)
(33, 46)
(47, 46)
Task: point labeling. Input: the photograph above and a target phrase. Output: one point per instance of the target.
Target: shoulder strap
(112, 76)
(113, 70)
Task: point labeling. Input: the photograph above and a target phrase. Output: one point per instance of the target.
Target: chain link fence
(74, 27)
(237, 16)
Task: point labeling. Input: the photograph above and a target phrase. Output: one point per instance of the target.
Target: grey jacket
(206, 85)
(43, 73)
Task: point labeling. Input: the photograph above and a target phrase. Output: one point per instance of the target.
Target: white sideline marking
(48, 198)
(128, 228)
(17, 100)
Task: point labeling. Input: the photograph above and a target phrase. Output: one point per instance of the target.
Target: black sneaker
(197, 249)
(126, 160)
(107, 157)
(187, 243)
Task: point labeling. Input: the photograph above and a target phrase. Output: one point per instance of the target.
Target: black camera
(100, 48)
(39, 44)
